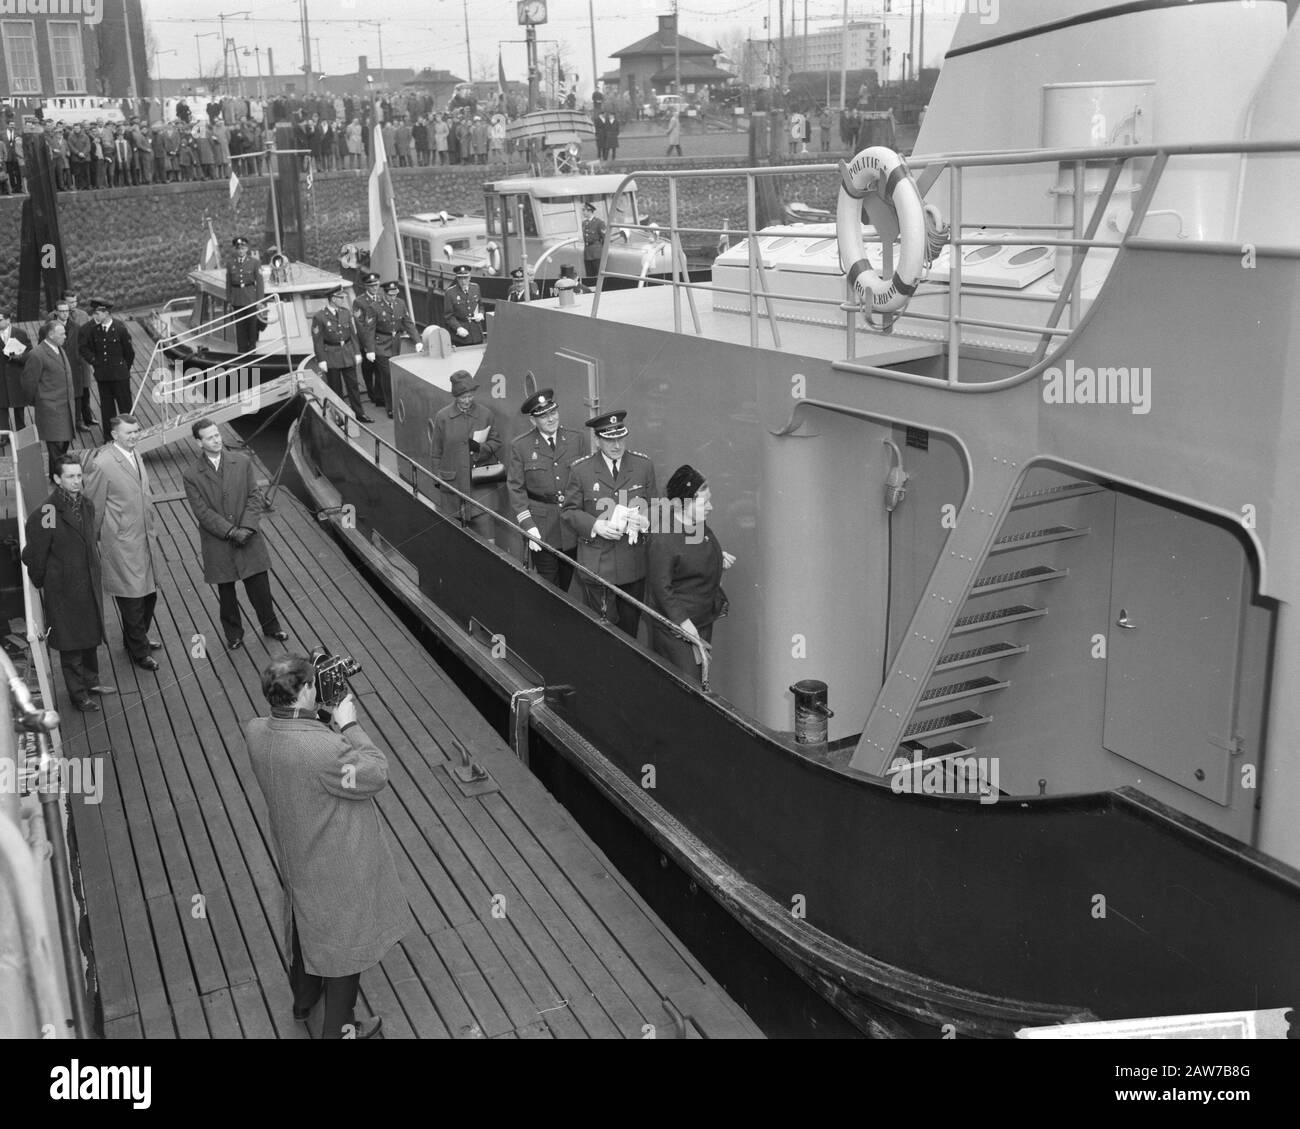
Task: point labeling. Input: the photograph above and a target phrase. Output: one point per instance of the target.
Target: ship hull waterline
(955, 916)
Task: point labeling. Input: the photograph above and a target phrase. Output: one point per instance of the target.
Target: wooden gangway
(523, 928)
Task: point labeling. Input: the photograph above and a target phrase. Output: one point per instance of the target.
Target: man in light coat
(48, 387)
(344, 903)
(228, 505)
(117, 484)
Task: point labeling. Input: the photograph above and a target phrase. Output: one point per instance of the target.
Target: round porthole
(1027, 256)
(982, 254)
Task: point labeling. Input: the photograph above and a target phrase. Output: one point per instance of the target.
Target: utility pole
(921, 47)
(677, 51)
(844, 57)
(225, 56)
(304, 21)
(780, 54)
(132, 89)
(911, 41)
(469, 64)
(534, 75)
(591, 22)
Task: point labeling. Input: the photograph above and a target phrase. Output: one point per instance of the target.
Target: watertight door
(1177, 588)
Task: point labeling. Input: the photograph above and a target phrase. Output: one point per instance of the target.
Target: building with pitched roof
(649, 66)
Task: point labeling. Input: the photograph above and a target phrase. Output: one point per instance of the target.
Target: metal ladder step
(1055, 494)
(977, 655)
(932, 754)
(996, 617)
(955, 691)
(1000, 582)
(1014, 542)
(949, 723)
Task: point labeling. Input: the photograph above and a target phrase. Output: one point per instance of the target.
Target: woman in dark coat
(61, 558)
(684, 581)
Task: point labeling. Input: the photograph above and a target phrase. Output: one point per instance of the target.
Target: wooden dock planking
(576, 954)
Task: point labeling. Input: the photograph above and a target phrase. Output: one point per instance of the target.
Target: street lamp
(256, 52)
(197, 53)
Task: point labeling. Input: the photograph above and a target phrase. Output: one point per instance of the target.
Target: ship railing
(190, 395)
(1079, 237)
(31, 987)
(374, 445)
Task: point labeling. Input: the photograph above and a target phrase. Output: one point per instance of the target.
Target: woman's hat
(462, 382)
(685, 483)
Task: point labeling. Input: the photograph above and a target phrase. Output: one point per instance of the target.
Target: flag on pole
(383, 230)
(212, 252)
(236, 189)
(501, 77)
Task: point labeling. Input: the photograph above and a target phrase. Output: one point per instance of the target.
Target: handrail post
(751, 237)
(1079, 253)
(672, 228)
(954, 277)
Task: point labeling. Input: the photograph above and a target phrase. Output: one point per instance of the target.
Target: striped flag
(383, 229)
(236, 189)
(212, 252)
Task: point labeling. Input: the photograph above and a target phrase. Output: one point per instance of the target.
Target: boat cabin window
(559, 215)
(418, 251)
(500, 215)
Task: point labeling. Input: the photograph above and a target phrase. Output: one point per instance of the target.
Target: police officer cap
(611, 425)
(392, 286)
(462, 270)
(339, 289)
(539, 403)
(518, 272)
(239, 241)
(588, 207)
(100, 304)
(369, 278)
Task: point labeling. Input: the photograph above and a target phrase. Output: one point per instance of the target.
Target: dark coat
(334, 338)
(64, 561)
(48, 387)
(341, 884)
(220, 502)
(244, 282)
(382, 323)
(82, 373)
(11, 388)
(685, 576)
(451, 459)
(461, 307)
(108, 349)
(536, 477)
(591, 493)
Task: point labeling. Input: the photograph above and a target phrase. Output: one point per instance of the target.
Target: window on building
(65, 55)
(20, 56)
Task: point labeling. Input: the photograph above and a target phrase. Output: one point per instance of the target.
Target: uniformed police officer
(465, 309)
(244, 286)
(106, 346)
(364, 314)
(593, 241)
(519, 290)
(381, 335)
(536, 472)
(607, 503)
(338, 352)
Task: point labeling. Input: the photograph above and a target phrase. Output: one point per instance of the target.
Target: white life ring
(494, 258)
(881, 178)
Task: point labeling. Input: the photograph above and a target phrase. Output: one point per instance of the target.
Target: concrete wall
(136, 245)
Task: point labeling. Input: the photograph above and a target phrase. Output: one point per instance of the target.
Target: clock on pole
(532, 12)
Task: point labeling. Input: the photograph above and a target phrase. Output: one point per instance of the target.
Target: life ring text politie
(879, 178)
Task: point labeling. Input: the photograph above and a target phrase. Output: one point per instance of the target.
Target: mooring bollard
(810, 711)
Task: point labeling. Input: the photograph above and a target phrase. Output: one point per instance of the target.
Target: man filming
(344, 903)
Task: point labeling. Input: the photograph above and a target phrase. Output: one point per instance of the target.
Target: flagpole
(401, 258)
(272, 166)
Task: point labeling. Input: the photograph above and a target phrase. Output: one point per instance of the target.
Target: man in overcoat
(117, 483)
(536, 473)
(607, 502)
(465, 309)
(106, 346)
(228, 505)
(48, 387)
(465, 437)
(344, 903)
(63, 561)
(82, 374)
(14, 347)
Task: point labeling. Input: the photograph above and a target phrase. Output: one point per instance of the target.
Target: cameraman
(344, 904)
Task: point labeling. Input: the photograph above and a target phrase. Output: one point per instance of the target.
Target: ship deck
(181, 893)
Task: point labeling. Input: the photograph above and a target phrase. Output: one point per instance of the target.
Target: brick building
(649, 66)
(71, 48)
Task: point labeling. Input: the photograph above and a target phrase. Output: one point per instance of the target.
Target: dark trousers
(555, 566)
(258, 587)
(383, 393)
(368, 371)
(340, 993)
(56, 449)
(80, 671)
(137, 615)
(338, 378)
(591, 267)
(87, 415)
(15, 175)
(17, 411)
(114, 399)
(246, 330)
(620, 612)
(677, 651)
